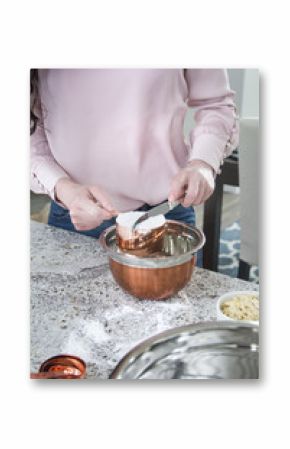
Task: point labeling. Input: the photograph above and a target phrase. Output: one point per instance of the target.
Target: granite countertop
(77, 308)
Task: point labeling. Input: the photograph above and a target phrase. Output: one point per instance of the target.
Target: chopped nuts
(242, 307)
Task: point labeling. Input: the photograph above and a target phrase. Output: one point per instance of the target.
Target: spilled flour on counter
(84, 337)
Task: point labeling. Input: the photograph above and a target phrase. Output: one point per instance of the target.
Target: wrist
(65, 190)
(198, 163)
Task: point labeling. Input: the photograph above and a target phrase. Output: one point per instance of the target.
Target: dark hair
(34, 100)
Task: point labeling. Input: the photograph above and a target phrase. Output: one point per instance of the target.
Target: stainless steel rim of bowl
(108, 238)
(159, 338)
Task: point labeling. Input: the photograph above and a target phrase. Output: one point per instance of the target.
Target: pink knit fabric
(122, 129)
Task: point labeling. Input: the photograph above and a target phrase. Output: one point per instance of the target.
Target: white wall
(250, 106)
(246, 84)
(236, 78)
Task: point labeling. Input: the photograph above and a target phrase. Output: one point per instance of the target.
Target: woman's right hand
(88, 205)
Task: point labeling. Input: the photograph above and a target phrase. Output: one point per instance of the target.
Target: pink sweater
(122, 129)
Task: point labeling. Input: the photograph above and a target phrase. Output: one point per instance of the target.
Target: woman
(105, 141)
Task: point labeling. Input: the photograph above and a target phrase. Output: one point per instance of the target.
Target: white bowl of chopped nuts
(241, 306)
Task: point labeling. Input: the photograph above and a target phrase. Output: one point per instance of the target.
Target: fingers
(86, 213)
(199, 198)
(191, 185)
(184, 186)
(191, 194)
(195, 182)
(197, 193)
(102, 198)
(178, 187)
(206, 195)
(86, 219)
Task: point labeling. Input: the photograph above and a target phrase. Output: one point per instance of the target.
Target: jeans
(60, 218)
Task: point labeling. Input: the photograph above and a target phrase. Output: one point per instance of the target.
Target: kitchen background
(239, 217)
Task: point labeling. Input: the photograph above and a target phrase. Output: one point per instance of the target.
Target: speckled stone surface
(77, 308)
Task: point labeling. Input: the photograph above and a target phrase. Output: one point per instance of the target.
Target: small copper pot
(142, 244)
(158, 275)
(61, 366)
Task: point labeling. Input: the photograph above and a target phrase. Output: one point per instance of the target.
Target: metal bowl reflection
(210, 350)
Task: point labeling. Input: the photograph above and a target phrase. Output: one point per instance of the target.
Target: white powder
(84, 338)
(127, 220)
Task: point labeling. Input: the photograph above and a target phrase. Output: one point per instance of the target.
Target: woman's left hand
(195, 183)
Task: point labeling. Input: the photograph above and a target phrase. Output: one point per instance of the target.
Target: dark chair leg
(244, 270)
(211, 227)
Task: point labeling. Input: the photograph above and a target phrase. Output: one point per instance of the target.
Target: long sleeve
(121, 128)
(216, 130)
(44, 170)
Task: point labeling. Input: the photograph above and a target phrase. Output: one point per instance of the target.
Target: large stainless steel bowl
(160, 275)
(209, 350)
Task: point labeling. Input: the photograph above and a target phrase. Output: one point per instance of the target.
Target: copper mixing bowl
(158, 275)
